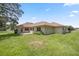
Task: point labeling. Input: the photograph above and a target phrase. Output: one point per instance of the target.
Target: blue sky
(63, 13)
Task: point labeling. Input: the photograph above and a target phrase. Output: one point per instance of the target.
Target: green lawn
(39, 45)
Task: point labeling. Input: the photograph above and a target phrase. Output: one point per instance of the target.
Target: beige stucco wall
(59, 30)
(24, 31)
(35, 29)
(49, 30)
(45, 29)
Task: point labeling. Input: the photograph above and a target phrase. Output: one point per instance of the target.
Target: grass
(39, 45)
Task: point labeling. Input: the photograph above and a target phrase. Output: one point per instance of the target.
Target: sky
(63, 13)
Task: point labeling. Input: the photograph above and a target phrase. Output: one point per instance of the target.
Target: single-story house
(43, 27)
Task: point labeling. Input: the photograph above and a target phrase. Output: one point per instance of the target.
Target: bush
(38, 33)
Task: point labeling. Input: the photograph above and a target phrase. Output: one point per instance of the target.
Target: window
(26, 29)
(31, 28)
(38, 29)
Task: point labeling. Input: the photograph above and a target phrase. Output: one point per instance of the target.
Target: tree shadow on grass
(7, 36)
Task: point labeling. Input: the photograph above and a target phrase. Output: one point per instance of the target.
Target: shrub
(38, 33)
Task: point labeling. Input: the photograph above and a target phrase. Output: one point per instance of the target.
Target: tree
(70, 28)
(11, 12)
(2, 24)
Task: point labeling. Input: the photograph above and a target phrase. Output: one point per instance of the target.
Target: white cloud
(71, 15)
(70, 4)
(75, 12)
(47, 9)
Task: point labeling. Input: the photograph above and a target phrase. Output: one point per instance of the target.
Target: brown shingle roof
(27, 24)
(56, 24)
(53, 24)
(43, 23)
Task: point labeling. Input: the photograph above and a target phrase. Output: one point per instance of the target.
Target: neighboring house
(43, 27)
